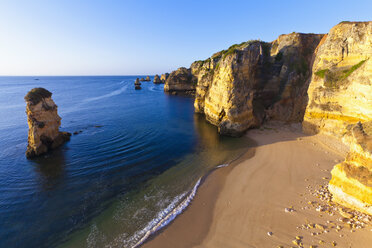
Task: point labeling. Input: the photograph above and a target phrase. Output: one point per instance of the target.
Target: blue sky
(111, 37)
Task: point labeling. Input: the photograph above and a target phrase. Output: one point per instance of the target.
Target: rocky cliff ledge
(351, 183)
(239, 87)
(43, 122)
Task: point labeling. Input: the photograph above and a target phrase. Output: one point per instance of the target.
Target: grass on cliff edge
(35, 95)
(332, 77)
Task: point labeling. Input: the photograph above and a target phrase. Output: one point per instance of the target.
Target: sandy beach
(243, 205)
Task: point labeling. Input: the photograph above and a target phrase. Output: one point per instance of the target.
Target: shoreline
(212, 184)
(238, 205)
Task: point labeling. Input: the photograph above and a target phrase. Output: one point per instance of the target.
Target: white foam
(167, 215)
(113, 93)
(222, 165)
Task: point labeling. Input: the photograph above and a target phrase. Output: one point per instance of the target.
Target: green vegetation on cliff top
(35, 95)
(233, 48)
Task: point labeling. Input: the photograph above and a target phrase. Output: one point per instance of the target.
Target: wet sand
(236, 206)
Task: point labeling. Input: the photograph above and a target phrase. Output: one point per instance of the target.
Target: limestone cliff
(340, 104)
(180, 80)
(351, 183)
(43, 122)
(340, 91)
(237, 88)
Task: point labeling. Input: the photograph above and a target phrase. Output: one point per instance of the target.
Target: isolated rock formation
(147, 79)
(43, 122)
(181, 81)
(137, 84)
(157, 79)
(164, 77)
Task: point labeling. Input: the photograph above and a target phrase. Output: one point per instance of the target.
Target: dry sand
(236, 206)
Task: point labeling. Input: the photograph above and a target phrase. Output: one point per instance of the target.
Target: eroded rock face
(164, 77)
(180, 80)
(239, 87)
(351, 183)
(157, 79)
(340, 104)
(43, 122)
(340, 91)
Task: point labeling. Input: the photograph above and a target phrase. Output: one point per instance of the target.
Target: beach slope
(244, 205)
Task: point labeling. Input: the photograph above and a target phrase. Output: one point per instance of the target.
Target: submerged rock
(157, 79)
(43, 122)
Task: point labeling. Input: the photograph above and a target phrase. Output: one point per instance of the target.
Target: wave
(167, 215)
(222, 165)
(113, 93)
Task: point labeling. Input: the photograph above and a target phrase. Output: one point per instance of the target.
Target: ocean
(135, 165)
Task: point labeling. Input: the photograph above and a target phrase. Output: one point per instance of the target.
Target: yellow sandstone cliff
(351, 183)
(340, 91)
(239, 87)
(340, 104)
(43, 122)
(322, 80)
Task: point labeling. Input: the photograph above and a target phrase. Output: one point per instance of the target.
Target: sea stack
(43, 122)
(147, 79)
(137, 84)
(157, 79)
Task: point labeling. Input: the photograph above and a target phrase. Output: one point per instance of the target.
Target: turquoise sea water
(134, 167)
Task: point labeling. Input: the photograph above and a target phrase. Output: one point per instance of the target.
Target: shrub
(321, 73)
(35, 95)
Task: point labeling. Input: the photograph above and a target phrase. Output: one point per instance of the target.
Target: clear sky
(108, 37)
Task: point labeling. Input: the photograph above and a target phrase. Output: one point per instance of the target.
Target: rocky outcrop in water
(137, 84)
(340, 104)
(164, 77)
(43, 122)
(181, 81)
(239, 87)
(157, 79)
